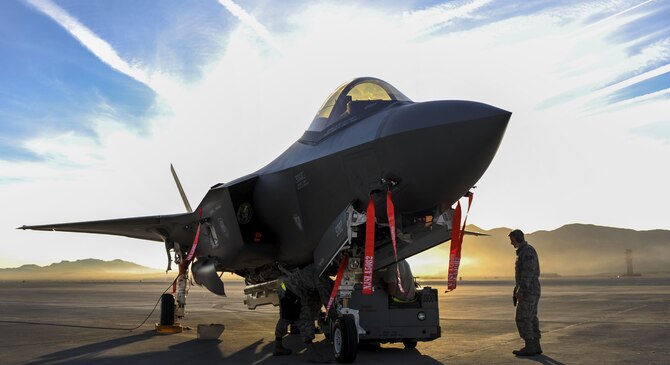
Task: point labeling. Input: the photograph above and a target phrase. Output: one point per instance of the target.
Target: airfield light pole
(629, 262)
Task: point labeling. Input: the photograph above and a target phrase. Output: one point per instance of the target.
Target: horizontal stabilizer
(384, 255)
(153, 228)
(472, 233)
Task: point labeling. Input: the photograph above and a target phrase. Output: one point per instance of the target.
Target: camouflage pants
(526, 317)
(281, 329)
(309, 312)
(310, 307)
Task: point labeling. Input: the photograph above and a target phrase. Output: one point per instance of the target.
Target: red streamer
(369, 263)
(338, 281)
(457, 234)
(390, 211)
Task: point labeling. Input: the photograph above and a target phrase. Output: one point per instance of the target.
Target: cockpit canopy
(357, 97)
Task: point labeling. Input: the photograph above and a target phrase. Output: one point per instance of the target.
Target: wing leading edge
(152, 228)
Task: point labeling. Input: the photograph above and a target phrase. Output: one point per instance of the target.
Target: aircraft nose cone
(440, 149)
(447, 113)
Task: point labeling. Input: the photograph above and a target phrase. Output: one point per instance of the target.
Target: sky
(97, 98)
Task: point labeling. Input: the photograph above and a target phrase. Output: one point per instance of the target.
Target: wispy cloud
(171, 90)
(249, 20)
(65, 149)
(590, 100)
(656, 95)
(613, 16)
(420, 22)
(658, 130)
(99, 47)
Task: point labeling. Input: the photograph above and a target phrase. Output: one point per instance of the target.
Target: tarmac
(583, 321)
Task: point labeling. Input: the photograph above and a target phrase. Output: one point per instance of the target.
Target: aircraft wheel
(345, 340)
(167, 310)
(409, 344)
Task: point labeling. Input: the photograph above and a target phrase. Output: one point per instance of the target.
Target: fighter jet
(366, 140)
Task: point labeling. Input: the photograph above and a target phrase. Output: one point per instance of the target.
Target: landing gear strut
(173, 308)
(391, 321)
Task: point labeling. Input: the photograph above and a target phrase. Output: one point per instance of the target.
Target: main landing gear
(377, 317)
(345, 339)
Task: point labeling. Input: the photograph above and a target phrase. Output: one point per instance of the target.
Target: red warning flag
(336, 286)
(184, 265)
(369, 263)
(455, 251)
(390, 211)
(457, 234)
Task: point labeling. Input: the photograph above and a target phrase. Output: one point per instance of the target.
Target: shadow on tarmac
(542, 359)
(209, 351)
(87, 353)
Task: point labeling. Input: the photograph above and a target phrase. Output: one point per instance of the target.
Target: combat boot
(314, 356)
(528, 350)
(280, 350)
(538, 348)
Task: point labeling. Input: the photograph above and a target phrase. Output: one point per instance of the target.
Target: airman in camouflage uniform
(281, 330)
(313, 292)
(526, 295)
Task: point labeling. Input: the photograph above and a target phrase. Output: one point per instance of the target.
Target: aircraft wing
(153, 228)
(384, 255)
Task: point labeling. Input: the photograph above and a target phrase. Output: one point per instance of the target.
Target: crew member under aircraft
(306, 289)
(281, 330)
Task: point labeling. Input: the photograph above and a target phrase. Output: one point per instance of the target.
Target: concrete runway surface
(584, 321)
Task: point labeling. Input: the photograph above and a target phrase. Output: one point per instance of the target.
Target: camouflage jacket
(527, 270)
(306, 283)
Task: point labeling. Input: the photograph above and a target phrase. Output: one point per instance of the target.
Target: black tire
(345, 340)
(167, 310)
(409, 344)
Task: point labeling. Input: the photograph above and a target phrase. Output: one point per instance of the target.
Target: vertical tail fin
(187, 205)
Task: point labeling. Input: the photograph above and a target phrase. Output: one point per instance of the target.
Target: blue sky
(97, 98)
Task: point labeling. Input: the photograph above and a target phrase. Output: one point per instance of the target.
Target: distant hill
(573, 250)
(88, 269)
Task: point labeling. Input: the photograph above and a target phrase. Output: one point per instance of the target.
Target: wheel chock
(210, 331)
(169, 328)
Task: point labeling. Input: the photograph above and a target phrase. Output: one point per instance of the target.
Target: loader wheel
(167, 310)
(409, 344)
(345, 339)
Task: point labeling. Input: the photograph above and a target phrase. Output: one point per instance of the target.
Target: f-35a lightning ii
(306, 206)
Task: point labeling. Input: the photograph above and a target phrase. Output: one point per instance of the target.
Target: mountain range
(87, 269)
(571, 250)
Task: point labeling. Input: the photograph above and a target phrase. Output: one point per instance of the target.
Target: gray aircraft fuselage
(433, 151)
